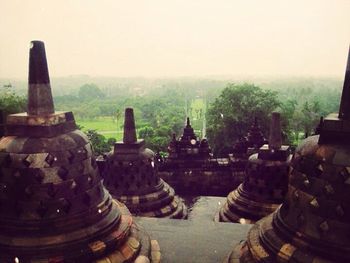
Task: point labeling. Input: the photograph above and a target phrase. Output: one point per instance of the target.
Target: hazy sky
(156, 38)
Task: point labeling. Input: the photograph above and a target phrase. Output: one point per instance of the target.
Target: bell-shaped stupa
(265, 183)
(53, 206)
(313, 224)
(131, 176)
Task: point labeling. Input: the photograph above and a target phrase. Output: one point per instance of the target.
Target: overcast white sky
(157, 38)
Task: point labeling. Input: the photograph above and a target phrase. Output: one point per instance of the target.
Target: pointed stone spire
(188, 123)
(132, 174)
(40, 100)
(344, 110)
(129, 126)
(275, 138)
(334, 127)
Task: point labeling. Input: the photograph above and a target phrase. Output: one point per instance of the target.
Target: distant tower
(132, 177)
(313, 224)
(265, 183)
(53, 206)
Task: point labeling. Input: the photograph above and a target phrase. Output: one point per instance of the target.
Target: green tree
(90, 92)
(233, 112)
(146, 132)
(12, 103)
(98, 141)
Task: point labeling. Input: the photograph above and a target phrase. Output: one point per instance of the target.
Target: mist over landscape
(220, 63)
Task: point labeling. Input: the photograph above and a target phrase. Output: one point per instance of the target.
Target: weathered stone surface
(265, 184)
(313, 224)
(131, 176)
(53, 206)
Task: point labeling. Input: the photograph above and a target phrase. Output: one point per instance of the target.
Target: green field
(104, 126)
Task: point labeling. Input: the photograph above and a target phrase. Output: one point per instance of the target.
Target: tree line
(229, 111)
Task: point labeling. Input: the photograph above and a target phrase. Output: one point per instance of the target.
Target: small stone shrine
(131, 176)
(255, 138)
(53, 206)
(313, 224)
(265, 183)
(188, 147)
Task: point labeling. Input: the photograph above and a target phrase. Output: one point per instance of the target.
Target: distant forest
(221, 110)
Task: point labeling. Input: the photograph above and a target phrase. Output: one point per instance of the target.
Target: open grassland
(103, 125)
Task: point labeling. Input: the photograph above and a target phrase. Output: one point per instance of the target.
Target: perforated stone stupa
(313, 224)
(53, 206)
(265, 183)
(132, 177)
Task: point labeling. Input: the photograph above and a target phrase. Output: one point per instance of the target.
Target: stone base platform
(198, 239)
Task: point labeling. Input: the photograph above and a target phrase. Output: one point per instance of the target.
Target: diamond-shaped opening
(314, 203)
(70, 156)
(26, 161)
(50, 159)
(39, 176)
(306, 183)
(63, 173)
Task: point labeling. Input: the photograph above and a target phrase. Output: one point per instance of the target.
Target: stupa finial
(344, 109)
(40, 100)
(129, 126)
(275, 138)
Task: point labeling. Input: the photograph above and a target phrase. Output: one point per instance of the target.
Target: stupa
(244, 147)
(313, 224)
(131, 176)
(188, 147)
(265, 183)
(255, 137)
(53, 206)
